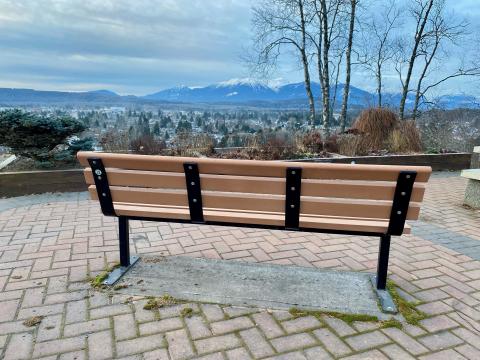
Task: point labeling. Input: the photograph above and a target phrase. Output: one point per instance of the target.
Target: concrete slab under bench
(261, 285)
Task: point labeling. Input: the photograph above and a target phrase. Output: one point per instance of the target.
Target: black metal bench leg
(124, 241)
(382, 266)
(126, 261)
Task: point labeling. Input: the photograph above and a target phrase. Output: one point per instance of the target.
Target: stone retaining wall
(37, 182)
(438, 162)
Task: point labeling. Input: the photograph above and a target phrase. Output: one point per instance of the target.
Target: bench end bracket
(102, 186)
(118, 272)
(384, 298)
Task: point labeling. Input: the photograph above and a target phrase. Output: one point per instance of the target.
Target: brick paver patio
(48, 251)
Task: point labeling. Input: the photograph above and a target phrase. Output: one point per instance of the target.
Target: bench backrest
(159, 186)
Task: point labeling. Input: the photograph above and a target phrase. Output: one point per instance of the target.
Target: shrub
(376, 124)
(85, 144)
(449, 131)
(147, 145)
(278, 149)
(331, 145)
(312, 142)
(35, 136)
(115, 141)
(352, 145)
(405, 138)
(188, 144)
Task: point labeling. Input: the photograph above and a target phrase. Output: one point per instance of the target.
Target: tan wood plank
(357, 189)
(259, 202)
(309, 222)
(255, 167)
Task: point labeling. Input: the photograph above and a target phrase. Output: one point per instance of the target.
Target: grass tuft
(392, 323)
(186, 312)
(97, 281)
(408, 309)
(156, 303)
(348, 318)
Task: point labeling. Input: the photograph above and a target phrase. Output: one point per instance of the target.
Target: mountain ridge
(231, 92)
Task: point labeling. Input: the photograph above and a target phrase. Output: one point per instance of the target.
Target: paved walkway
(48, 251)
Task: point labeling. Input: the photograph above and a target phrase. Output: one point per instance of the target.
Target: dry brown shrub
(115, 141)
(405, 138)
(276, 149)
(312, 142)
(352, 145)
(188, 144)
(331, 145)
(376, 124)
(147, 145)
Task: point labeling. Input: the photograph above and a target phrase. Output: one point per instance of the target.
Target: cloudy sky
(142, 46)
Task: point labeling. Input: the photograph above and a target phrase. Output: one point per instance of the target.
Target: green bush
(34, 135)
(85, 144)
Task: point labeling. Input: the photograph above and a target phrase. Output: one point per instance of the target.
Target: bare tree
(440, 29)
(325, 33)
(348, 65)
(279, 23)
(421, 12)
(335, 70)
(377, 46)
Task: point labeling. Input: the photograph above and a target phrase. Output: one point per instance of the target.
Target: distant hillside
(235, 92)
(29, 96)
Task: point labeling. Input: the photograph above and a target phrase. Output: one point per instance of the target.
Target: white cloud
(142, 46)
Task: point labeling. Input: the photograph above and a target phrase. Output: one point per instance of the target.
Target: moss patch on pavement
(97, 281)
(165, 300)
(408, 309)
(33, 321)
(186, 312)
(348, 318)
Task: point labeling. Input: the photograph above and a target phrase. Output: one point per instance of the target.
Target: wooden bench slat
(254, 218)
(355, 189)
(255, 167)
(259, 202)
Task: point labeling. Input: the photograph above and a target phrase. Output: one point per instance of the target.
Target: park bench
(370, 200)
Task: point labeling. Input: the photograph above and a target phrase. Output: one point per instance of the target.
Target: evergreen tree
(156, 129)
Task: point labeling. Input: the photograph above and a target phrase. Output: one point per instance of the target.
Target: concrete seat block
(472, 194)
(473, 174)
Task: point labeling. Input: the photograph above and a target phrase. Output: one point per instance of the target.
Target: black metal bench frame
(401, 202)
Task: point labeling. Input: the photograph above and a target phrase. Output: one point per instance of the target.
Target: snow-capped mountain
(245, 90)
(252, 91)
(235, 91)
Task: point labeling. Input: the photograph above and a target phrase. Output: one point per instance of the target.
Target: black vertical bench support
(382, 265)
(106, 204)
(293, 190)
(194, 192)
(124, 241)
(398, 215)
